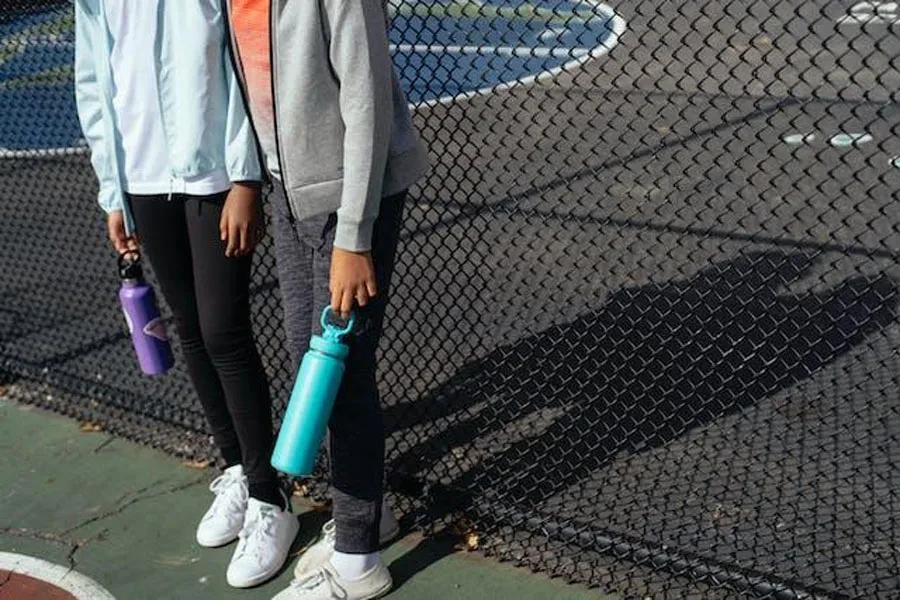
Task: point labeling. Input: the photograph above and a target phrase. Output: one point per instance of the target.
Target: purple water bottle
(148, 332)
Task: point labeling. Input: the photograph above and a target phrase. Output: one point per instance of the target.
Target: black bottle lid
(130, 266)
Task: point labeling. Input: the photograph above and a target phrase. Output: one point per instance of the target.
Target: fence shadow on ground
(653, 363)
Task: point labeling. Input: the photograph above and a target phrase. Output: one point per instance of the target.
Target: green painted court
(124, 516)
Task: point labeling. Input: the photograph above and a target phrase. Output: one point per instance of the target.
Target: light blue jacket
(204, 118)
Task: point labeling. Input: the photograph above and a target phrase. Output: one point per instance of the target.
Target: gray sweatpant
(356, 433)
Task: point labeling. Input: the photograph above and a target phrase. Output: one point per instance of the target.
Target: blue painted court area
(443, 49)
(447, 48)
(37, 107)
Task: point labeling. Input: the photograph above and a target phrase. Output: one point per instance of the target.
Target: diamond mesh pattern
(644, 329)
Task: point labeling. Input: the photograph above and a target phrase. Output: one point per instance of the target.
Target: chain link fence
(644, 333)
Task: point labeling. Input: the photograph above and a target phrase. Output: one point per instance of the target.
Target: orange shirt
(250, 21)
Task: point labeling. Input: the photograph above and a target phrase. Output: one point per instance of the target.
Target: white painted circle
(614, 28)
(548, 45)
(83, 588)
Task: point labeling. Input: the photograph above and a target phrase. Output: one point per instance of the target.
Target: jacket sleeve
(89, 100)
(358, 49)
(241, 151)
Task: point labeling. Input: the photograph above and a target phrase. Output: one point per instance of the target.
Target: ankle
(270, 493)
(231, 455)
(352, 567)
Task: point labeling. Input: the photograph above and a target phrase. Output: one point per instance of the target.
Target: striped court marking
(83, 588)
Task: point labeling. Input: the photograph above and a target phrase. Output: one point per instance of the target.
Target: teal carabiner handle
(331, 330)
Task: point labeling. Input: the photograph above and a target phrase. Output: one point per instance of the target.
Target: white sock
(353, 566)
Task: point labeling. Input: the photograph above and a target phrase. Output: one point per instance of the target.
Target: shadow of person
(653, 363)
(424, 553)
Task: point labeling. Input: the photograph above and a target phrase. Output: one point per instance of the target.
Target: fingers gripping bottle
(148, 332)
(312, 399)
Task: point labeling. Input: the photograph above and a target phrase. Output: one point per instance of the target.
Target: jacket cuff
(251, 174)
(111, 199)
(354, 236)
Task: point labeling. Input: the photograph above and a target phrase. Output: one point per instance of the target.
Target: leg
(165, 242)
(294, 261)
(223, 303)
(356, 433)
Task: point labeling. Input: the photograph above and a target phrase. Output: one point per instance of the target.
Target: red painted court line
(37, 579)
(22, 587)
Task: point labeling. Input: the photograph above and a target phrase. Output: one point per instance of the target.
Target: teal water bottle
(312, 399)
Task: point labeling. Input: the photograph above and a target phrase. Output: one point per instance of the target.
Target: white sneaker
(325, 584)
(320, 553)
(265, 543)
(223, 521)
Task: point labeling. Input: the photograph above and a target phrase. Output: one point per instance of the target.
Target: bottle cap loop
(335, 332)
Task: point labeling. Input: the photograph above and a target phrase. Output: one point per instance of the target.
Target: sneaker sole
(258, 580)
(218, 543)
(380, 593)
(383, 541)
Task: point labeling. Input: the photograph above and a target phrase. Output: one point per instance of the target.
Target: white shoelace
(329, 530)
(321, 576)
(221, 486)
(257, 533)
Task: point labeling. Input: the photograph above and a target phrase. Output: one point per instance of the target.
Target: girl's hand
(352, 280)
(241, 225)
(115, 227)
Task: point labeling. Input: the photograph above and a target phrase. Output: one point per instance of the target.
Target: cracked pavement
(125, 516)
(74, 544)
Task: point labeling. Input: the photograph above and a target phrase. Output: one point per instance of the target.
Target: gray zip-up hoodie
(344, 131)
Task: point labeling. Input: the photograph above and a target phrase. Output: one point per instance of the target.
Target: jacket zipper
(273, 69)
(160, 26)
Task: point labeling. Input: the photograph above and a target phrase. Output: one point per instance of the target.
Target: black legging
(209, 295)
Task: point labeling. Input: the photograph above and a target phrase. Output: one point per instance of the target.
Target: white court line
(795, 139)
(615, 28)
(842, 140)
(6, 153)
(872, 12)
(53, 41)
(552, 33)
(83, 588)
(510, 51)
